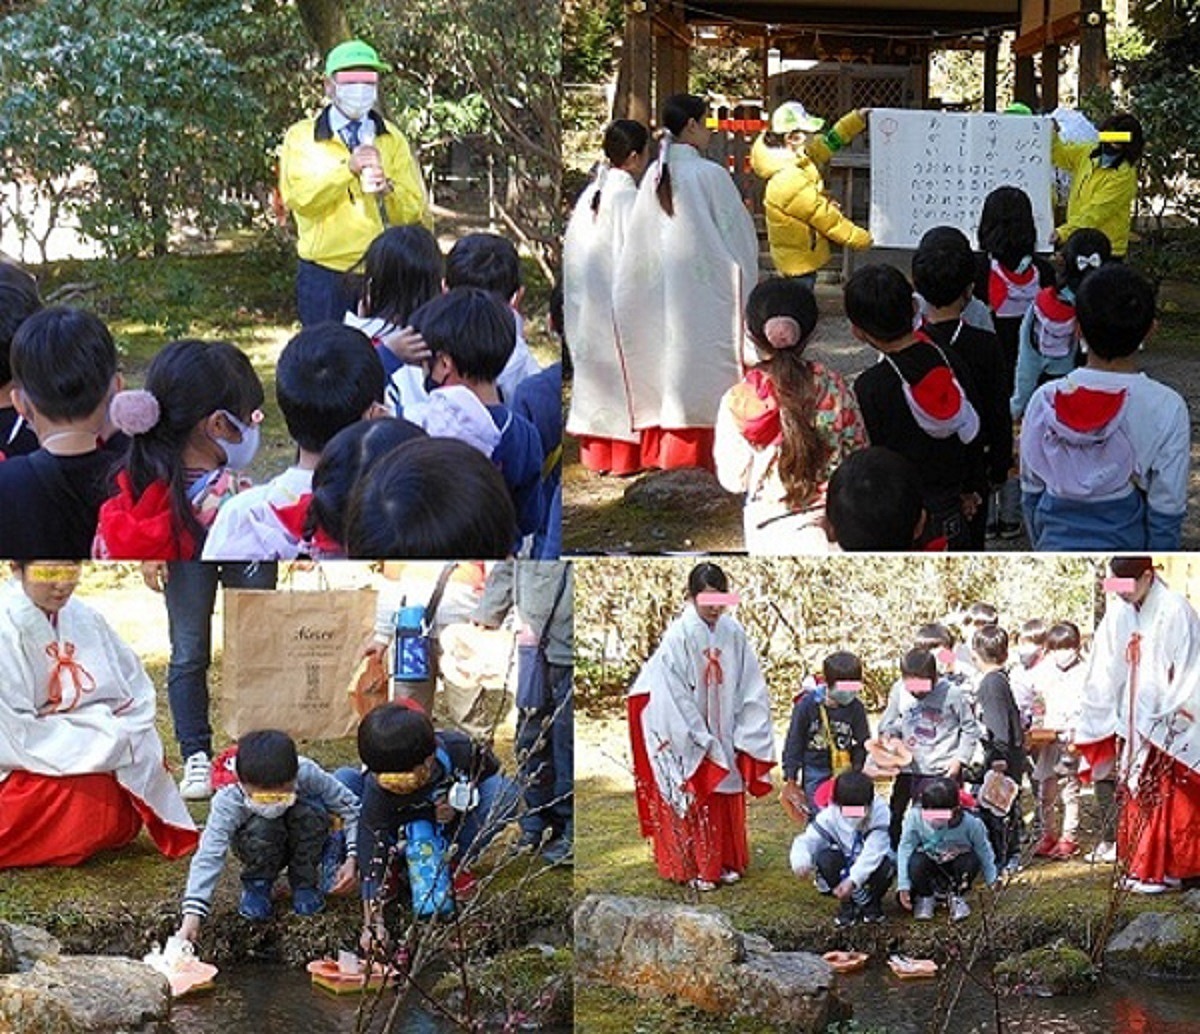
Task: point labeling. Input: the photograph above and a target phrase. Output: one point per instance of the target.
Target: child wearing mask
(1056, 764)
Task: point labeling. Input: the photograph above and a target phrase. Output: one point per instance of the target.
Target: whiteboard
(934, 168)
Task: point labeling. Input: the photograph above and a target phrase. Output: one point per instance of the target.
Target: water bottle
(428, 869)
(412, 645)
(333, 854)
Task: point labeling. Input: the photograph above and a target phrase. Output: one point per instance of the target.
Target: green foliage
(124, 124)
(731, 72)
(590, 30)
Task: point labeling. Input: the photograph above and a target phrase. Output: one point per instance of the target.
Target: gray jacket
(531, 586)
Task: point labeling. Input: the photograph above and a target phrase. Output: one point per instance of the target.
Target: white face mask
(239, 455)
(354, 100)
(1027, 654)
(1064, 659)
(269, 811)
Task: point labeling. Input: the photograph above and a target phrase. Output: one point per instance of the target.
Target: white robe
(681, 291)
(104, 721)
(685, 722)
(600, 404)
(1166, 708)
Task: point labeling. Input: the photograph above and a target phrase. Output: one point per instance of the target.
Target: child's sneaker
(1013, 865)
(196, 784)
(729, 876)
(256, 900)
(307, 901)
(847, 914)
(1046, 846)
(1064, 849)
(959, 909)
(872, 912)
(923, 908)
(465, 884)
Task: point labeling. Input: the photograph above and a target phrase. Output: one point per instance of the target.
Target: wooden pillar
(1049, 77)
(633, 77)
(991, 70)
(670, 53)
(1093, 53)
(1025, 85)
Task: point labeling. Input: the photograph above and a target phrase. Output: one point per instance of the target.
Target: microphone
(373, 184)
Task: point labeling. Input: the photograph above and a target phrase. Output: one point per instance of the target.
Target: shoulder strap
(562, 587)
(439, 590)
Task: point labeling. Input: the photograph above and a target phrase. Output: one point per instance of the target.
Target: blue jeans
(545, 749)
(191, 593)
(322, 294)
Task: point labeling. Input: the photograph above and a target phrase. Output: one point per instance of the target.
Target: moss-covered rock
(1158, 945)
(531, 986)
(1057, 969)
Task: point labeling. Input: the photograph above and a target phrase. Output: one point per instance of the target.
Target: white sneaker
(196, 784)
(1146, 887)
(1104, 853)
(959, 909)
(923, 908)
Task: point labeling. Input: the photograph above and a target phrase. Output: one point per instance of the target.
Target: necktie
(350, 134)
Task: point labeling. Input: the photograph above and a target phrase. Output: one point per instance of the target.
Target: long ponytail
(678, 110)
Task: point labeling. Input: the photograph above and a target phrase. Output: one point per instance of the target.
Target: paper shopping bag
(290, 660)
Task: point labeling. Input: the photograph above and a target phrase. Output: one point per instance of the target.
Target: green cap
(354, 53)
(1017, 108)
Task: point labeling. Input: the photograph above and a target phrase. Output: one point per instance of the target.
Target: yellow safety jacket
(1100, 198)
(335, 221)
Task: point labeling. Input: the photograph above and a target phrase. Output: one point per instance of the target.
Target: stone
(657, 949)
(83, 994)
(32, 944)
(1057, 969)
(1157, 945)
(9, 962)
(687, 489)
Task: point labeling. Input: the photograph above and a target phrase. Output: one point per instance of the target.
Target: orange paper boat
(325, 974)
(846, 961)
(912, 969)
(191, 976)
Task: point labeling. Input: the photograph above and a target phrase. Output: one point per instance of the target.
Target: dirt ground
(598, 519)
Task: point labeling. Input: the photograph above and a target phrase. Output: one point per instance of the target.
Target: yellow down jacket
(801, 217)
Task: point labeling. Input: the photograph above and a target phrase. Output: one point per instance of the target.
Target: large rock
(8, 952)
(31, 944)
(83, 994)
(657, 949)
(1157, 944)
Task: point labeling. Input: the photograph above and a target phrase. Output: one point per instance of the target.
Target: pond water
(1117, 1007)
(267, 999)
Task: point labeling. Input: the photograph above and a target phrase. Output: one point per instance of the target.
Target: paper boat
(912, 969)
(326, 974)
(846, 961)
(178, 963)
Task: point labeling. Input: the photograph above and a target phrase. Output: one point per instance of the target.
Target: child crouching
(275, 817)
(848, 846)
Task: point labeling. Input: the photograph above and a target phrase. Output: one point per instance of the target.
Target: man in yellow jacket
(801, 217)
(346, 175)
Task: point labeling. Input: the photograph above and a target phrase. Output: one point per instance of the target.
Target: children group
(683, 357)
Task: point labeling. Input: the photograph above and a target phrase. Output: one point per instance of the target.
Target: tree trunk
(325, 22)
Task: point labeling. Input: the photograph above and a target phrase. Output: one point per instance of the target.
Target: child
(18, 301)
(401, 271)
(1026, 676)
(1056, 764)
(412, 772)
(64, 368)
(874, 504)
(934, 719)
(785, 427)
(1003, 739)
(1048, 343)
(192, 430)
(469, 334)
(327, 377)
(490, 262)
(943, 270)
(847, 844)
(275, 817)
(941, 851)
(828, 731)
(600, 414)
(918, 401)
(347, 458)
(1105, 450)
(433, 498)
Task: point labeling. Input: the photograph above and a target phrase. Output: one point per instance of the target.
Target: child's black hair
(940, 794)
(919, 664)
(190, 380)
(874, 501)
(842, 666)
(348, 457)
(623, 137)
(1087, 244)
(943, 266)
(991, 644)
(1033, 631)
(879, 302)
(432, 498)
(471, 326)
(487, 261)
(395, 738)
(1007, 231)
(853, 789)
(981, 613)
(19, 299)
(1115, 309)
(266, 758)
(64, 360)
(401, 271)
(933, 636)
(1063, 635)
(327, 377)
(678, 110)
(706, 577)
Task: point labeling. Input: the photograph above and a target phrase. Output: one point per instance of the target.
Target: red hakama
(1159, 830)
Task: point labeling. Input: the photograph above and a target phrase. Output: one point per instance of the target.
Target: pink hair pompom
(782, 332)
(134, 412)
